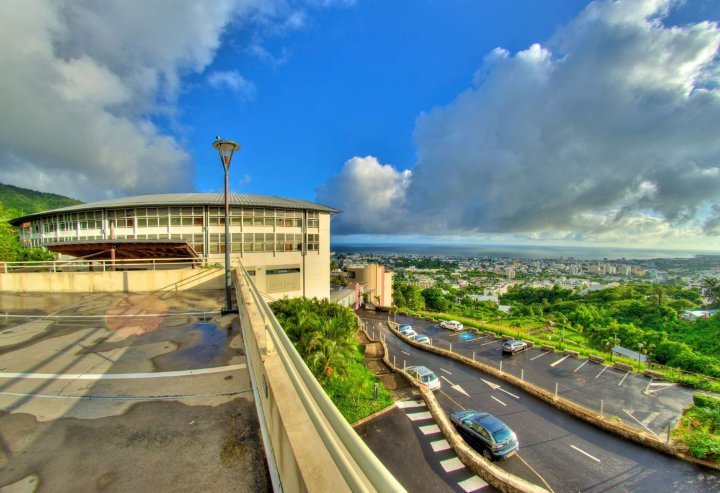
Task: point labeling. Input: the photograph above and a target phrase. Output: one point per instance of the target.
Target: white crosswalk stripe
(473, 483)
(419, 416)
(409, 404)
(440, 445)
(429, 429)
(450, 465)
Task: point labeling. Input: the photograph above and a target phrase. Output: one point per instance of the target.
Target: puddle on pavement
(193, 340)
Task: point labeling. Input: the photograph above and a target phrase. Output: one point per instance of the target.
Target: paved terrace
(123, 392)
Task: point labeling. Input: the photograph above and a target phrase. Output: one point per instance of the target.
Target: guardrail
(308, 443)
(87, 265)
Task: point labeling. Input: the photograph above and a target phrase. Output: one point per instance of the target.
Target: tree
(711, 290)
(435, 299)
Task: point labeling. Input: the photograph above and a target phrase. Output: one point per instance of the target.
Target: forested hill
(16, 202)
(29, 201)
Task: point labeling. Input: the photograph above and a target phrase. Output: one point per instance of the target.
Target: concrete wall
(96, 282)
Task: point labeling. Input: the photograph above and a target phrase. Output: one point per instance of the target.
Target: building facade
(283, 243)
(376, 281)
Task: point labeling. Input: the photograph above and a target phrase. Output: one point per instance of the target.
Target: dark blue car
(486, 434)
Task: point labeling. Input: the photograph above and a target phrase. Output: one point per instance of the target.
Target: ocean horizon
(516, 251)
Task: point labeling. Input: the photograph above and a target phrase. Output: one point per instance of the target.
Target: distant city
(516, 251)
(455, 266)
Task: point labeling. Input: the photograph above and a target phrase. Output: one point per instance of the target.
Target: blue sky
(562, 122)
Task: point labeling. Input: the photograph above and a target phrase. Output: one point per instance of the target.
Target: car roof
(422, 370)
(489, 422)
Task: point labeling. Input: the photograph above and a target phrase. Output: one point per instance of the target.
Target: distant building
(376, 282)
(695, 314)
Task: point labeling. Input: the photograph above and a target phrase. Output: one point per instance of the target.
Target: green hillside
(29, 201)
(15, 202)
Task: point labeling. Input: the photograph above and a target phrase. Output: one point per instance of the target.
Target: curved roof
(185, 199)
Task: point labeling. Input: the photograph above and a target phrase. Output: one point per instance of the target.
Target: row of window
(239, 242)
(174, 216)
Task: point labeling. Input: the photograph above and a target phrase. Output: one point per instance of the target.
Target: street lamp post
(640, 346)
(226, 149)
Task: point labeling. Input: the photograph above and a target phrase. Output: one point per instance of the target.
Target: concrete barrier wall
(298, 454)
(309, 444)
(124, 282)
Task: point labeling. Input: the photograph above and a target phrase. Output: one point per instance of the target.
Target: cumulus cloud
(85, 82)
(606, 132)
(369, 193)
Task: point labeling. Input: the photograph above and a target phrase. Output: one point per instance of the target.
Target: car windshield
(429, 378)
(502, 435)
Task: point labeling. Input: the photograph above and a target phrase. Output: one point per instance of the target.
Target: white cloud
(608, 132)
(369, 193)
(235, 82)
(83, 82)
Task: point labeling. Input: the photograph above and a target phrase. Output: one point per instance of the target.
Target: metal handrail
(95, 265)
(328, 421)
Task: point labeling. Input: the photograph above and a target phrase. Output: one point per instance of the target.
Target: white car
(422, 338)
(424, 376)
(451, 325)
(407, 331)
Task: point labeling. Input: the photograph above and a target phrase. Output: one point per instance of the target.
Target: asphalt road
(556, 449)
(117, 392)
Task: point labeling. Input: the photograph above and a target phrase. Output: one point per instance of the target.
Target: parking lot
(120, 392)
(647, 404)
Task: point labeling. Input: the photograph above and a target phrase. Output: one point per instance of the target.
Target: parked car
(451, 325)
(407, 330)
(513, 346)
(424, 376)
(422, 338)
(485, 433)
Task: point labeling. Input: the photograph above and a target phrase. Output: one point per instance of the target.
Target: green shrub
(703, 446)
(706, 400)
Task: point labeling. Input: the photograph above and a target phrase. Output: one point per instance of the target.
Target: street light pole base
(225, 311)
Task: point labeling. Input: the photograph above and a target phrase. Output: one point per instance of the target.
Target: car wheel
(486, 453)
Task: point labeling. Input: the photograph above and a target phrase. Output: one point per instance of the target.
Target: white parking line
(559, 361)
(539, 355)
(406, 354)
(623, 379)
(443, 369)
(508, 393)
(583, 452)
(639, 422)
(576, 369)
(486, 343)
(601, 371)
(122, 376)
(498, 400)
(660, 385)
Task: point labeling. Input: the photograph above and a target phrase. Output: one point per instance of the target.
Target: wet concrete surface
(125, 392)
